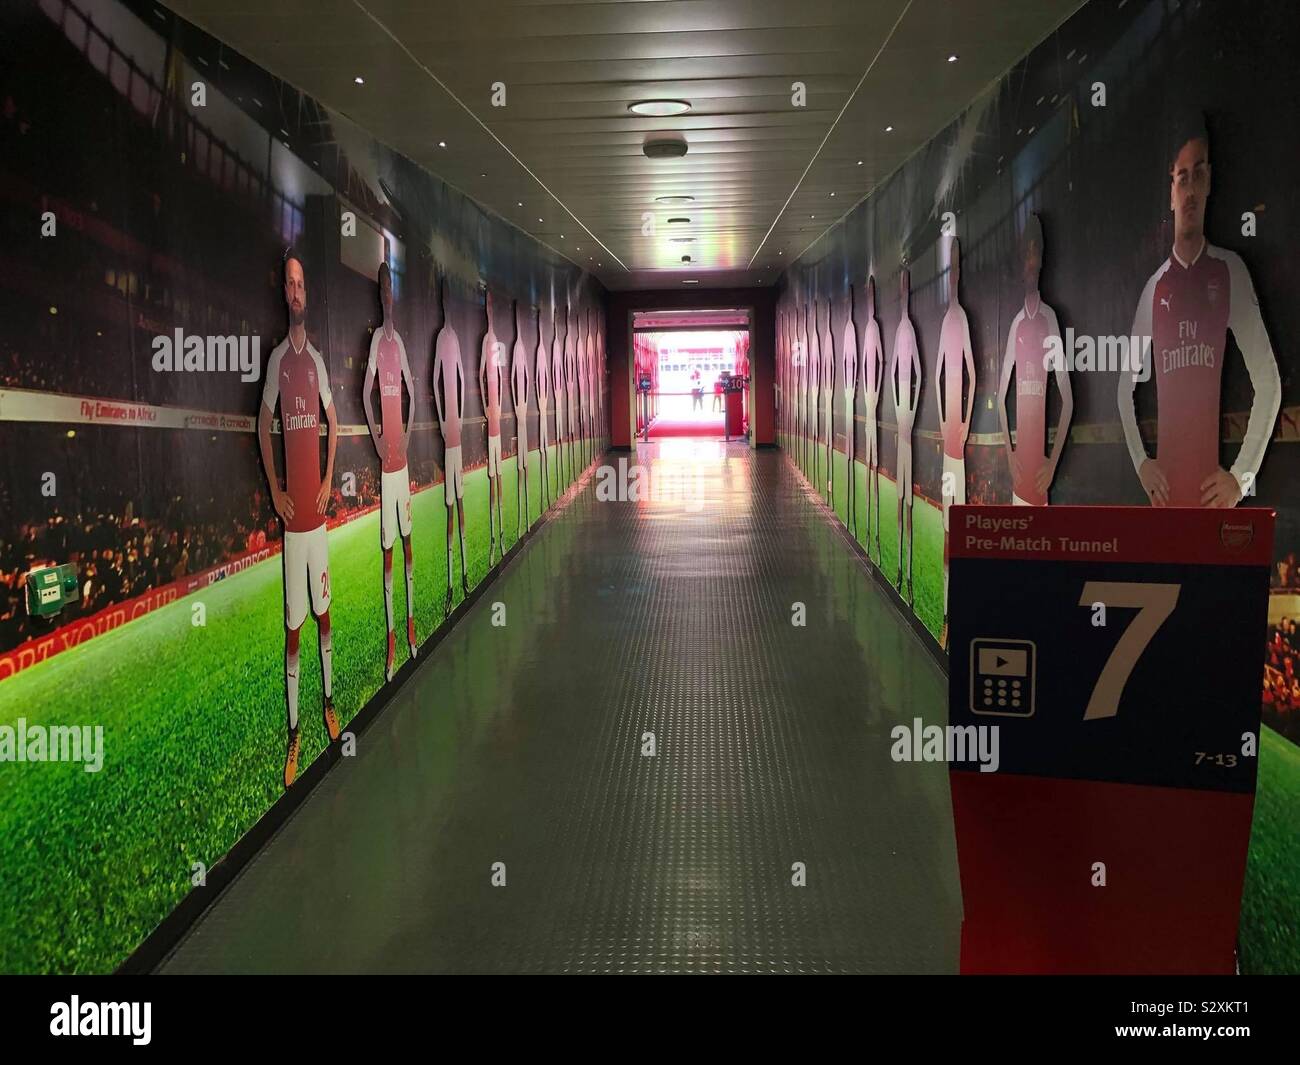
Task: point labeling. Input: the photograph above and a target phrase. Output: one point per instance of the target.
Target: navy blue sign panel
(1098, 660)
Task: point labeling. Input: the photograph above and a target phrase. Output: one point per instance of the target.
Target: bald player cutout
(449, 397)
(848, 387)
(297, 379)
(519, 396)
(1032, 471)
(388, 365)
(1187, 308)
(905, 380)
(873, 365)
(491, 383)
(954, 357)
(542, 375)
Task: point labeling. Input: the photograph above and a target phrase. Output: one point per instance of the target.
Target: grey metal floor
(522, 744)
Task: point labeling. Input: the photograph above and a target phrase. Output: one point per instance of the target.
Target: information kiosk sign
(1118, 653)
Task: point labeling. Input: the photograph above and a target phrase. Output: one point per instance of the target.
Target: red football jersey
(298, 380)
(387, 359)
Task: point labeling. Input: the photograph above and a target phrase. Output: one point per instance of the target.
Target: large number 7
(1154, 603)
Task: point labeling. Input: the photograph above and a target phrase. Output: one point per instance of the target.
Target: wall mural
(198, 304)
(1093, 144)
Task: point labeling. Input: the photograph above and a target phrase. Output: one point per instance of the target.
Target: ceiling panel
(563, 159)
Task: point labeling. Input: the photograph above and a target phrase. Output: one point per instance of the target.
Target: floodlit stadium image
(650, 488)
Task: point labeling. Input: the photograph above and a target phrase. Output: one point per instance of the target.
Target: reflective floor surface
(522, 751)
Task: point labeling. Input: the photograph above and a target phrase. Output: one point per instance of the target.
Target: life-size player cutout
(388, 365)
(873, 365)
(491, 383)
(828, 400)
(542, 376)
(1028, 344)
(449, 397)
(296, 378)
(848, 387)
(905, 380)
(954, 356)
(1187, 307)
(519, 396)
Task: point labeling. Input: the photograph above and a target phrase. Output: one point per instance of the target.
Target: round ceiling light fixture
(674, 199)
(659, 108)
(680, 220)
(664, 148)
(690, 281)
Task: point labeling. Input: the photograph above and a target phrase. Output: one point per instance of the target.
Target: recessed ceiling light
(674, 199)
(952, 58)
(690, 281)
(359, 80)
(442, 144)
(832, 194)
(659, 108)
(520, 203)
(680, 220)
(859, 162)
(539, 220)
(889, 129)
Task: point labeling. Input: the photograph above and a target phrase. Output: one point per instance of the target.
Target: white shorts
(521, 437)
(453, 481)
(543, 436)
(306, 567)
(494, 455)
(956, 467)
(849, 427)
(873, 437)
(394, 506)
(559, 419)
(905, 468)
(1016, 501)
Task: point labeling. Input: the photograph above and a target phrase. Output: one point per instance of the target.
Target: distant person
(388, 364)
(449, 397)
(717, 394)
(297, 379)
